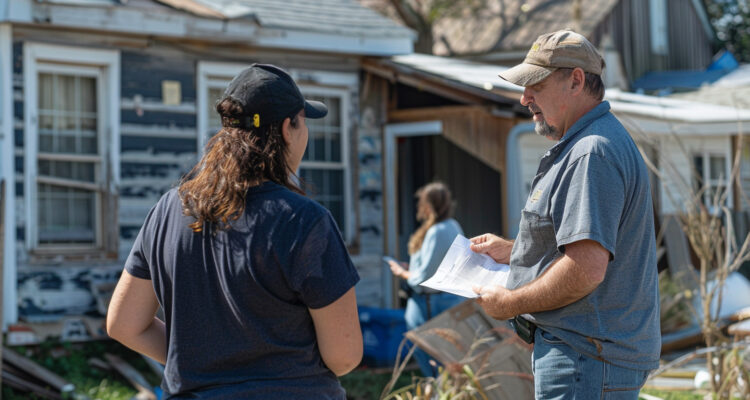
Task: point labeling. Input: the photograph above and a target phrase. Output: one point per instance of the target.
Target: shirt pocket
(535, 240)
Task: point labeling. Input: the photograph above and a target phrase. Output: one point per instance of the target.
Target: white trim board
(167, 23)
(7, 168)
(390, 167)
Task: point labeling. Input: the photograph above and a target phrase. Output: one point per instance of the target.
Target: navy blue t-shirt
(236, 301)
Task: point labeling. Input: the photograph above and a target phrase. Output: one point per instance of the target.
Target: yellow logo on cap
(535, 47)
(256, 120)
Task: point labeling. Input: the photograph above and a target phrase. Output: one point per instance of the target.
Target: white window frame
(706, 178)
(105, 64)
(340, 84)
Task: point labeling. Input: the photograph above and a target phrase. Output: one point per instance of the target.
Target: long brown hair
(434, 205)
(235, 159)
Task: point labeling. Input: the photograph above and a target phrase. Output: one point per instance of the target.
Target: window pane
(67, 114)
(214, 121)
(68, 124)
(79, 171)
(717, 167)
(698, 178)
(326, 186)
(325, 133)
(66, 215)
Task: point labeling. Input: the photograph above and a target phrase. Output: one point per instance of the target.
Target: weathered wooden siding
(685, 27)
(159, 143)
(369, 167)
(483, 136)
(471, 128)
(689, 46)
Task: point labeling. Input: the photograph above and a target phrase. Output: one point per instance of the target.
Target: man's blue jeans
(562, 373)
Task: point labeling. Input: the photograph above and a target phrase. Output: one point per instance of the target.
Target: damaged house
(105, 104)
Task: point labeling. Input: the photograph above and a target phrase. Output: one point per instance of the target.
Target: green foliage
(674, 395)
(451, 384)
(366, 384)
(70, 361)
(731, 20)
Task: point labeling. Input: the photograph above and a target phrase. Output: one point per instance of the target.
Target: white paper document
(462, 269)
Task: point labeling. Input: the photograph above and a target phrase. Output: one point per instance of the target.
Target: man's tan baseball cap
(561, 49)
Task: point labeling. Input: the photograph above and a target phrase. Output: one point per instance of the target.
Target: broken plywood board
(18, 383)
(132, 375)
(43, 374)
(466, 334)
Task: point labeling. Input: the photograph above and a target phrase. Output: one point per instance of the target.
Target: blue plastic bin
(382, 332)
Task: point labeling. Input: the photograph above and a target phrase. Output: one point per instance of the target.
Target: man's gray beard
(542, 128)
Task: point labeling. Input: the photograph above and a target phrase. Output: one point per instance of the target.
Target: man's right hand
(494, 246)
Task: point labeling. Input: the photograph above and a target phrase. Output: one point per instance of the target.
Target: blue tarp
(670, 81)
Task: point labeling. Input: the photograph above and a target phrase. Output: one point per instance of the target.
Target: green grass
(367, 384)
(674, 395)
(70, 360)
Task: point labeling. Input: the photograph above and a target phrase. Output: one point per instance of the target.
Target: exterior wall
(371, 233)
(688, 45)
(676, 166)
(744, 197)
(159, 143)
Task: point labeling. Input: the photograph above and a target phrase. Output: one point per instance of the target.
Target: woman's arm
(338, 333)
(131, 318)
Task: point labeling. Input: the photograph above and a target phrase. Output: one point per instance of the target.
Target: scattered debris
(464, 334)
(26, 375)
(133, 376)
(24, 385)
(99, 363)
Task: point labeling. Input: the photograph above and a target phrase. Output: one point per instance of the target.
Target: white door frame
(390, 169)
(10, 310)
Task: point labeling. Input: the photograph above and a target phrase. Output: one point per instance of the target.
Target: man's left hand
(496, 301)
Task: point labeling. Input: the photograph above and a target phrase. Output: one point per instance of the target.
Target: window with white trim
(69, 154)
(711, 176)
(325, 165)
(69, 158)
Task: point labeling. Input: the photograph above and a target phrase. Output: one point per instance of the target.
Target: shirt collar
(596, 112)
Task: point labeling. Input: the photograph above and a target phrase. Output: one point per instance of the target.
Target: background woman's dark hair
(235, 159)
(435, 205)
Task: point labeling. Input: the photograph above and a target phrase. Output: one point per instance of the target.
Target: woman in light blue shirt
(427, 247)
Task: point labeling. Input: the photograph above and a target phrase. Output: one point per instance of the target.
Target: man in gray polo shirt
(583, 284)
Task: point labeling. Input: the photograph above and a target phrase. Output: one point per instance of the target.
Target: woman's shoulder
(448, 226)
(281, 201)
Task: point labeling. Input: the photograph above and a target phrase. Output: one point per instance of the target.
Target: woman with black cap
(254, 279)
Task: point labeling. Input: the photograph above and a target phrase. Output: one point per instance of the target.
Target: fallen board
(37, 371)
(496, 355)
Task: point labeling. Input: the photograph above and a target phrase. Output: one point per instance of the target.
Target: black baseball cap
(269, 95)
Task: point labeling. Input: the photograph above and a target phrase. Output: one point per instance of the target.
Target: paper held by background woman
(462, 269)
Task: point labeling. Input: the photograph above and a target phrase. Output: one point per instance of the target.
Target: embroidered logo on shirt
(536, 196)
